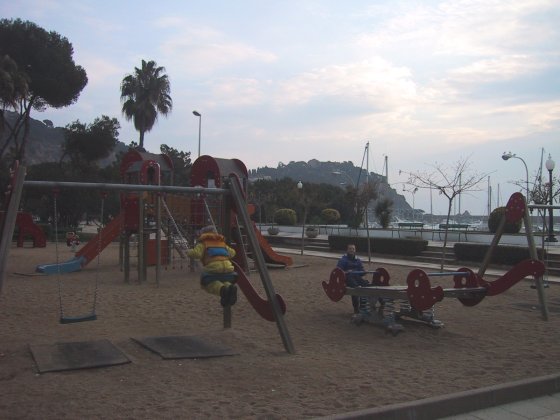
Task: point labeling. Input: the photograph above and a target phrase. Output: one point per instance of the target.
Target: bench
(459, 228)
(414, 227)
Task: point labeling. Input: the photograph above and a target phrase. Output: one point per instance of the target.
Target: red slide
(94, 246)
(26, 226)
(269, 254)
(259, 304)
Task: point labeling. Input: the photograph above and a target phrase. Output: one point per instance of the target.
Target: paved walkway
(534, 398)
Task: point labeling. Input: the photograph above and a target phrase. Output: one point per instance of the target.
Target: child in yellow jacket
(216, 256)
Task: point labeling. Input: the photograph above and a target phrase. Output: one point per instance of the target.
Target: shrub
(330, 216)
(285, 217)
(494, 222)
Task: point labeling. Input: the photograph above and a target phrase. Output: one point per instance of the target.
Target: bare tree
(450, 181)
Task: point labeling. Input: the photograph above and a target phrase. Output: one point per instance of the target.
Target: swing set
(228, 190)
(92, 315)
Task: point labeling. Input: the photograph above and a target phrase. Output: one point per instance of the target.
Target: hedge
(393, 246)
(503, 254)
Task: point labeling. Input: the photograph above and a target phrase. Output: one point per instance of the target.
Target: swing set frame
(233, 192)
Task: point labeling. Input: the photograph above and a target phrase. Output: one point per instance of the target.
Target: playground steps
(432, 254)
(294, 242)
(553, 265)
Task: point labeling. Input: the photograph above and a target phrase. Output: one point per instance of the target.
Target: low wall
(475, 236)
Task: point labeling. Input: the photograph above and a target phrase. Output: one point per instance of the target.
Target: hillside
(45, 145)
(45, 142)
(332, 173)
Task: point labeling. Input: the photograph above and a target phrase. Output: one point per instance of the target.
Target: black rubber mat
(184, 347)
(77, 355)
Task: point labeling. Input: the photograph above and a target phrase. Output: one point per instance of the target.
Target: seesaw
(383, 304)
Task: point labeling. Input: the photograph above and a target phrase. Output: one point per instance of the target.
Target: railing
(407, 228)
(457, 228)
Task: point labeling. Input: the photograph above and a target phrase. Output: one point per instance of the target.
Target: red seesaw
(417, 299)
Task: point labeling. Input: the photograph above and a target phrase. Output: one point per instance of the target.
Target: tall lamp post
(550, 167)
(197, 114)
(510, 155)
(300, 187)
(413, 192)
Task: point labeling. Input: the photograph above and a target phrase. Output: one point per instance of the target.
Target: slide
(259, 304)
(88, 252)
(270, 256)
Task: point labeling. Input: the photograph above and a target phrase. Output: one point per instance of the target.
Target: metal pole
(126, 187)
(199, 130)
(551, 237)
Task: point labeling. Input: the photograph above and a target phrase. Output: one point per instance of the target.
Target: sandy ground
(338, 367)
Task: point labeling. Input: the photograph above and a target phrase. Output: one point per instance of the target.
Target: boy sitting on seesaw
(215, 256)
(354, 270)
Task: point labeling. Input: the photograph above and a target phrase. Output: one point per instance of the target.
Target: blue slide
(75, 264)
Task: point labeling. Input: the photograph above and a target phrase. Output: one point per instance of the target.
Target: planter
(311, 233)
(273, 231)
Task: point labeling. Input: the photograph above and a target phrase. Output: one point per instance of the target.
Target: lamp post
(197, 114)
(510, 155)
(550, 167)
(413, 192)
(300, 187)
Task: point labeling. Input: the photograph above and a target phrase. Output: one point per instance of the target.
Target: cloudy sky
(426, 83)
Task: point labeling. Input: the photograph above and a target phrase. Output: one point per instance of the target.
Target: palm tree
(144, 95)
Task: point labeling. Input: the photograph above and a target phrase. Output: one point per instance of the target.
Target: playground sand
(337, 368)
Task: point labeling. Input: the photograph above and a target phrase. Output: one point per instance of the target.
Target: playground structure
(218, 198)
(383, 304)
(174, 212)
(26, 228)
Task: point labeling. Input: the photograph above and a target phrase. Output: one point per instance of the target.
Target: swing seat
(79, 318)
(206, 279)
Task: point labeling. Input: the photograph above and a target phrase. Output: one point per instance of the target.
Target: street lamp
(414, 191)
(550, 167)
(300, 187)
(197, 114)
(510, 155)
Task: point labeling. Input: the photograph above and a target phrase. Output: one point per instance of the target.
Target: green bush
(494, 222)
(330, 216)
(286, 217)
(391, 246)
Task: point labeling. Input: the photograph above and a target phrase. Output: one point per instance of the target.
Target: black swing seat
(79, 318)
(206, 279)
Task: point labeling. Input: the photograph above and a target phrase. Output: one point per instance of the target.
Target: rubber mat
(184, 347)
(76, 355)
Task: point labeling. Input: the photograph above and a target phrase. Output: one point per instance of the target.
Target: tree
(85, 144)
(13, 86)
(46, 75)
(450, 181)
(181, 165)
(383, 210)
(144, 95)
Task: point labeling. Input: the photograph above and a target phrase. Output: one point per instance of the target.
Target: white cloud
(496, 69)
(373, 81)
(200, 49)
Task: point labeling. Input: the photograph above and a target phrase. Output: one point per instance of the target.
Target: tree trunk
(445, 236)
